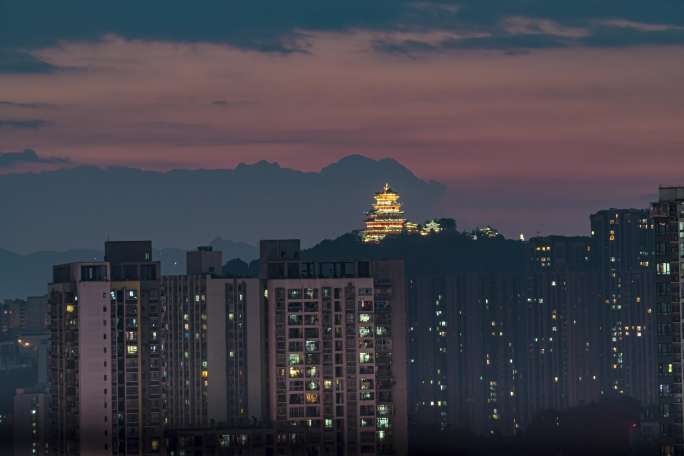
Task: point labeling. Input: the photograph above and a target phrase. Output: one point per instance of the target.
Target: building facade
(491, 349)
(31, 422)
(106, 379)
(215, 351)
(336, 350)
(24, 316)
(622, 252)
(668, 219)
(80, 360)
(561, 327)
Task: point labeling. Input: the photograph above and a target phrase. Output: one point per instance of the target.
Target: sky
(533, 113)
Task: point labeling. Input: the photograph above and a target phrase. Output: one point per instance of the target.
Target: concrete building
(30, 422)
(490, 349)
(668, 219)
(463, 369)
(24, 316)
(336, 350)
(215, 351)
(563, 331)
(105, 359)
(231, 441)
(622, 242)
(137, 340)
(80, 362)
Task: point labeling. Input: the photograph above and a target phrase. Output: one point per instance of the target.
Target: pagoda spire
(385, 216)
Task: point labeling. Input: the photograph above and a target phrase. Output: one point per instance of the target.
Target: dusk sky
(532, 113)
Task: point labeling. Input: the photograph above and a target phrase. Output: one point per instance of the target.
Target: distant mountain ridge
(79, 207)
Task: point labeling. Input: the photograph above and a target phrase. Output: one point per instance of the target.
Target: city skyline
(342, 228)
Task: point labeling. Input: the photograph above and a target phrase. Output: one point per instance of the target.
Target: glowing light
(386, 217)
(430, 227)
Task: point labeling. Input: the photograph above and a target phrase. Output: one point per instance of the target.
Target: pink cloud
(563, 114)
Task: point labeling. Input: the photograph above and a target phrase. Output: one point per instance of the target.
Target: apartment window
(295, 359)
(367, 410)
(310, 293)
(295, 372)
(311, 333)
(312, 346)
(663, 268)
(311, 306)
(297, 412)
(311, 371)
(367, 422)
(365, 357)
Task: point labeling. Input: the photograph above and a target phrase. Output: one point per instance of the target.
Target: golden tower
(385, 216)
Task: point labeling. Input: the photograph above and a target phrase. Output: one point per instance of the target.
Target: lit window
(295, 358)
(295, 372)
(132, 349)
(663, 268)
(70, 308)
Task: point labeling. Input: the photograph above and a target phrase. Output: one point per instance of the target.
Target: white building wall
(94, 368)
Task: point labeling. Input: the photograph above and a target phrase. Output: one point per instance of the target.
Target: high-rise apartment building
(215, 347)
(80, 360)
(622, 243)
(31, 422)
(491, 348)
(561, 326)
(336, 350)
(137, 342)
(24, 316)
(106, 394)
(464, 371)
(668, 219)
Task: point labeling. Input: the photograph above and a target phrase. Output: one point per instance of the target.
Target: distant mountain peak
(358, 161)
(246, 203)
(261, 164)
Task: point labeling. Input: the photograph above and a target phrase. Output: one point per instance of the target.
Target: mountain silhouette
(66, 215)
(80, 207)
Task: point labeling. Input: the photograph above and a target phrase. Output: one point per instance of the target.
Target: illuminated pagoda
(385, 217)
